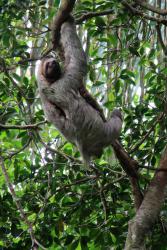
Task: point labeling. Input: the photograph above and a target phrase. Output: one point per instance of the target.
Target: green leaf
(113, 40)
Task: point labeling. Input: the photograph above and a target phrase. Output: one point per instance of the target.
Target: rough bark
(130, 166)
(149, 210)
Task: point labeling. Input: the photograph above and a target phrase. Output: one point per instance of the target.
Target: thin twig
(147, 134)
(68, 157)
(164, 48)
(89, 15)
(18, 205)
(150, 7)
(140, 13)
(11, 154)
(29, 126)
(104, 202)
(78, 182)
(11, 79)
(153, 169)
(105, 187)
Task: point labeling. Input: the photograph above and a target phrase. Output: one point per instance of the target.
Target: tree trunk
(149, 210)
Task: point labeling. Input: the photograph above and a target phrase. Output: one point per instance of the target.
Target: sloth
(68, 105)
(51, 70)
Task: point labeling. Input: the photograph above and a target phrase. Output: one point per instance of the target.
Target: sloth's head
(50, 69)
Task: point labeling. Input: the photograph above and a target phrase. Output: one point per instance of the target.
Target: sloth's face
(51, 70)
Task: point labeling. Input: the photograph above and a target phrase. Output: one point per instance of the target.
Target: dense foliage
(49, 196)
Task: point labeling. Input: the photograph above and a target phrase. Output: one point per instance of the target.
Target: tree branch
(89, 15)
(18, 205)
(140, 13)
(30, 126)
(148, 6)
(11, 154)
(67, 157)
(4, 69)
(147, 134)
(130, 166)
(164, 48)
(149, 209)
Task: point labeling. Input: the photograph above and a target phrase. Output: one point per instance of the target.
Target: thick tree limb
(63, 13)
(130, 166)
(149, 209)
